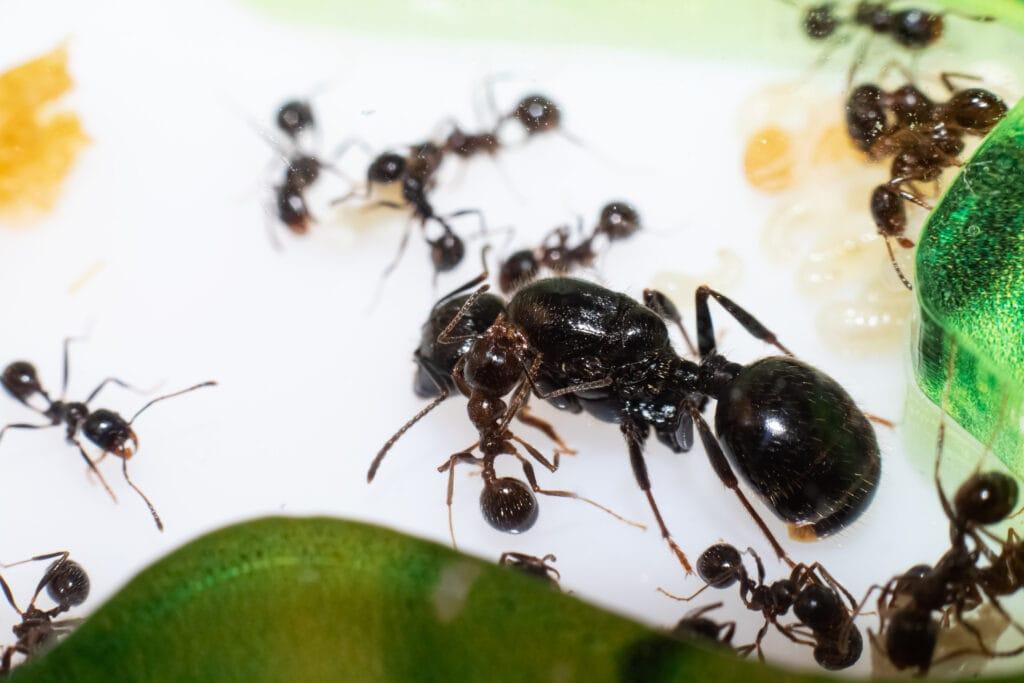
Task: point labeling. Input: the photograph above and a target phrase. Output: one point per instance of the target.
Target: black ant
(618, 220)
(695, 626)
(810, 591)
(531, 565)
(106, 429)
(583, 347)
(67, 584)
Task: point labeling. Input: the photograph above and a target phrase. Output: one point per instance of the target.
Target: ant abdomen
(69, 583)
(910, 639)
(835, 656)
(820, 21)
(986, 498)
(294, 117)
(447, 251)
(975, 109)
(916, 28)
(508, 505)
(21, 380)
(537, 114)
(517, 270)
(800, 441)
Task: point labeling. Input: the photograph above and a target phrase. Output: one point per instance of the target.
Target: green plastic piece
(970, 286)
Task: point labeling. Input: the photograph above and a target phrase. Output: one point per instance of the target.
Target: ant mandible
(104, 428)
(67, 584)
(581, 346)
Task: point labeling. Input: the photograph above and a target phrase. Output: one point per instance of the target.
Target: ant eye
(68, 585)
(986, 498)
(719, 566)
(20, 380)
(447, 251)
(509, 505)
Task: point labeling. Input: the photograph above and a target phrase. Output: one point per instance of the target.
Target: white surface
(168, 198)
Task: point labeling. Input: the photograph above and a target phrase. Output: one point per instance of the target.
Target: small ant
(104, 428)
(809, 590)
(618, 220)
(583, 347)
(294, 118)
(531, 565)
(695, 626)
(914, 29)
(67, 584)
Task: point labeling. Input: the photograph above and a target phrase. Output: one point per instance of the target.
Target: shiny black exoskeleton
(67, 584)
(911, 28)
(106, 429)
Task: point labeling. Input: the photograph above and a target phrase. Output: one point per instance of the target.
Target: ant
(695, 626)
(67, 584)
(810, 591)
(956, 584)
(581, 347)
(104, 428)
(618, 220)
(294, 118)
(530, 565)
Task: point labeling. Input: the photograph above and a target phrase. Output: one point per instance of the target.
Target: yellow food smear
(768, 159)
(37, 145)
(834, 146)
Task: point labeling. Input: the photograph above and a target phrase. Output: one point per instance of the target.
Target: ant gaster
(67, 584)
(104, 428)
(810, 454)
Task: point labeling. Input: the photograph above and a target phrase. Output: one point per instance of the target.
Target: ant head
(508, 505)
(618, 220)
(986, 498)
(911, 106)
(294, 117)
(888, 211)
(386, 168)
(910, 638)
(975, 109)
(865, 115)
(109, 431)
(302, 172)
(910, 577)
(493, 366)
(720, 566)
(696, 628)
(820, 608)
(873, 15)
(447, 251)
(21, 380)
(292, 210)
(915, 28)
(485, 411)
(68, 585)
(833, 655)
(820, 21)
(517, 270)
(537, 114)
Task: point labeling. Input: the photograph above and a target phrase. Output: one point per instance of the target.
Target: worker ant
(531, 565)
(696, 626)
(583, 347)
(67, 584)
(618, 220)
(104, 428)
(810, 591)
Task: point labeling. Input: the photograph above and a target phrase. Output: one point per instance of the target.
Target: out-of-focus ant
(696, 626)
(537, 567)
(810, 591)
(104, 428)
(583, 347)
(618, 220)
(67, 584)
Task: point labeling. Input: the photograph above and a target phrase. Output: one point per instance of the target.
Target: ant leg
(895, 264)
(348, 144)
(152, 510)
(398, 435)
(832, 581)
(444, 337)
(201, 385)
(582, 386)
(688, 598)
(526, 416)
(897, 185)
(858, 61)
(635, 436)
(788, 632)
(118, 382)
(537, 455)
(531, 478)
(705, 329)
(940, 438)
(5, 664)
(10, 596)
(895, 64)
(478, 280)
(947, 76)
(471, 212)
(725, 474)
(94, 469)
(449, 465)
(66, 370)
(663, 306)
(878, 419)
(21, 425)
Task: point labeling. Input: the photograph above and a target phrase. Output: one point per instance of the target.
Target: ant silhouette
(104, 428)
(67, 584)
(537, 567)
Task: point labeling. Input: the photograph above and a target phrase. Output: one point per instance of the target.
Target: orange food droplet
(38, 144)
(768, 159)
(834, 146)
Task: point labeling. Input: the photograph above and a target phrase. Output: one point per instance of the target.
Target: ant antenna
(210, 383)
(152, 510)
(896, 265)
(372, 472)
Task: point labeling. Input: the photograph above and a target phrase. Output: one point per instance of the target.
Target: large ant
(810, 591)
(106, 429)
(67, 584)
(531, 565)
(808, 451)
(618, 220)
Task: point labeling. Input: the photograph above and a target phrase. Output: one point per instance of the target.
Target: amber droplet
(768, 159)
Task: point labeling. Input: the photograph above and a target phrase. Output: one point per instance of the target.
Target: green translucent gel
(970, 286)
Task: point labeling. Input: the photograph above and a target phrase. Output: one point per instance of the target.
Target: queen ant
(810, 591)
(583, 347)
(618, 220)
(537, 567)
(67, 584)
(104, 428)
